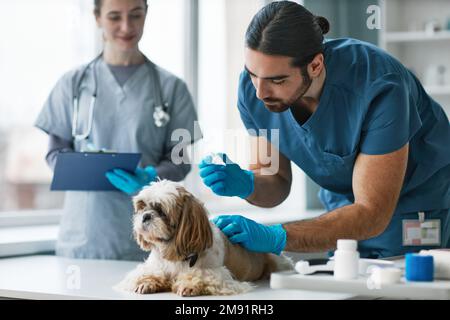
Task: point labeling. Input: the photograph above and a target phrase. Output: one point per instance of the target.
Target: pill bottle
(346, 260)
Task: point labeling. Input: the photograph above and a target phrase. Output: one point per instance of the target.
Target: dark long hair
(288, 29)
(98, 6)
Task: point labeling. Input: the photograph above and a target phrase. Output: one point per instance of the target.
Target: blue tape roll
(419, 267)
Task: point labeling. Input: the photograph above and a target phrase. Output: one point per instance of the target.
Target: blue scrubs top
(372, 104)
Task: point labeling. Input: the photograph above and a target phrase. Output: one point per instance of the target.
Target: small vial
(346, 260)
(216, 159)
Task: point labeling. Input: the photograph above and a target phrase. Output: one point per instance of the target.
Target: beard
(279, 105)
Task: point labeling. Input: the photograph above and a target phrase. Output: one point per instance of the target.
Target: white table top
(51, 277)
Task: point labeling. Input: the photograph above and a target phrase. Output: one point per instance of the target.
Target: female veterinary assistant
(127, 87)
(357, 122)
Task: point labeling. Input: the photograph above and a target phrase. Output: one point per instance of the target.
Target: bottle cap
(346, 244)
(419, 267)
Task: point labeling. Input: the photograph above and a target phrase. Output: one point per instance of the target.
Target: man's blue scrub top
(372, 104)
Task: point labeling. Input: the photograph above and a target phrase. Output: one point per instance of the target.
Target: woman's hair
(288, 29)
(98, 6)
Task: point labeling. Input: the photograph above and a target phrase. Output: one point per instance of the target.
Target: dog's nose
(146, 217)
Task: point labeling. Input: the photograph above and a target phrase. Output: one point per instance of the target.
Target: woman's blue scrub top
(371, 104)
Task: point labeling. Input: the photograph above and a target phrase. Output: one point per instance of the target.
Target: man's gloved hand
(227, 180)
(251, 235)
(131, 183)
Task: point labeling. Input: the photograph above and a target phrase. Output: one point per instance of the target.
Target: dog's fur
(189, 255)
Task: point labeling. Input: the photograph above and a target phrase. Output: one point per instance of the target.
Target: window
(40, 41)
(163, 40)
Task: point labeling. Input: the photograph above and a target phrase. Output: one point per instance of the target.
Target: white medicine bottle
(346, 260)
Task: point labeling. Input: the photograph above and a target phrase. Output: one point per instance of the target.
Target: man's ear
(316, 66)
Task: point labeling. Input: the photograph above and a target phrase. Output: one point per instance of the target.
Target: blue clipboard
(85, 171)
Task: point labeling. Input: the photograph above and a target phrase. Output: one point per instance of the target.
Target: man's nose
(261, 90)
(146, 217)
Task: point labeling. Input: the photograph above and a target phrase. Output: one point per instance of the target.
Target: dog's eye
(159, 210)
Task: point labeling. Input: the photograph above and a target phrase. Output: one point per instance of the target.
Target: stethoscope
(161, 116)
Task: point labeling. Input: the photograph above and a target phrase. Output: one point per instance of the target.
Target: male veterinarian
(357, 122)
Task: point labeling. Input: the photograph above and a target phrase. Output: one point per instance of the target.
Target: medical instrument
(384, 276)
(161, 116)
(441, 259)
(304, 267)
(346, 260)
(365, 266)
(419, 267)
(217, 159)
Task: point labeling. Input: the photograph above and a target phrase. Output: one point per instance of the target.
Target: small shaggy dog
(189, 255)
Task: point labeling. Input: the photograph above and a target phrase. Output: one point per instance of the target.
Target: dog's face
(168, 216)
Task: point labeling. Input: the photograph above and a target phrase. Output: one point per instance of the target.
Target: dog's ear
(194, 233)
(145, 245)
(138, 204)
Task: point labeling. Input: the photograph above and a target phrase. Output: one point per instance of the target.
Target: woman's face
(122, 22)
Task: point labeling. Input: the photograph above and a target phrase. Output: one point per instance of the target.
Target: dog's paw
(189, 291)
(151, 284)
(146, 288)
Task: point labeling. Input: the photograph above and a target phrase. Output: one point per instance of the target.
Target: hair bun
(323, 24)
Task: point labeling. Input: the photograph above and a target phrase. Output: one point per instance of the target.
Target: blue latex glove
(227, 180)
(131, 183)
(251, 235)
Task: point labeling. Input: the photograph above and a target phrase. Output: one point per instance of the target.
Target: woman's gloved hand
(226, 179)
(131, 183)
(251, 235)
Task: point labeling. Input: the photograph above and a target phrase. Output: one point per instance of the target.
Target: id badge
(422, 232)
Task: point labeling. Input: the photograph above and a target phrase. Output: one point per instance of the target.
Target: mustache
(270, 100)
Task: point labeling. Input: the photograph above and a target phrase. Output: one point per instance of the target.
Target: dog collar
(192, 258)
